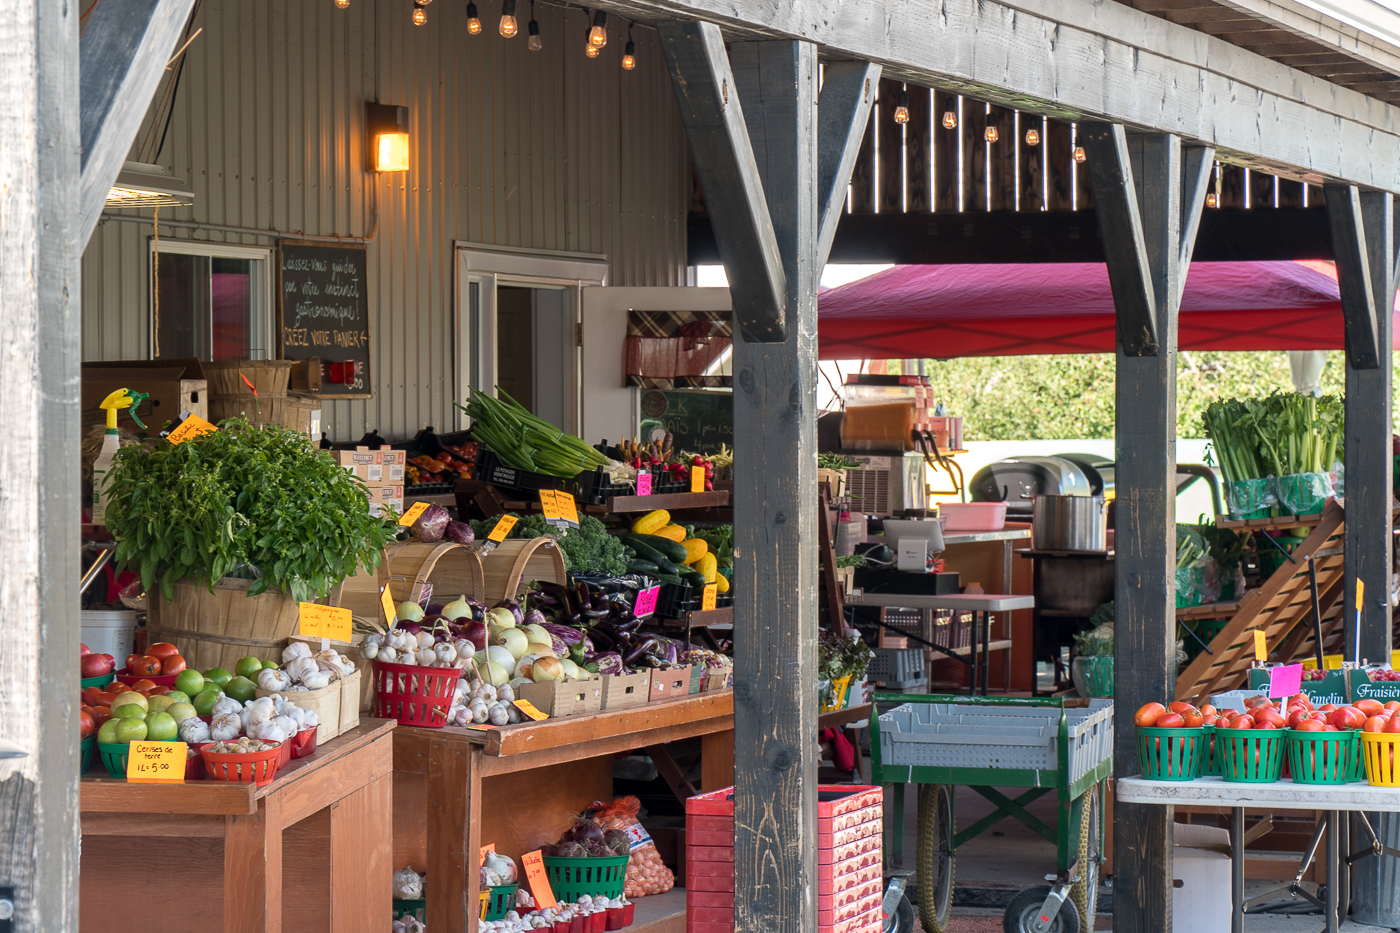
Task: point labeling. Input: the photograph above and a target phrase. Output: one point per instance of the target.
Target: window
(213, 302)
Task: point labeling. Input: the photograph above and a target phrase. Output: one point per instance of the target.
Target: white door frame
(491, 266)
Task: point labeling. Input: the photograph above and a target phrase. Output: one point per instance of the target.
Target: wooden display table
(309, 852)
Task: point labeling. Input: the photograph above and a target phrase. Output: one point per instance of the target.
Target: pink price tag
(1285, 681)
(644, 483)
(646, 602)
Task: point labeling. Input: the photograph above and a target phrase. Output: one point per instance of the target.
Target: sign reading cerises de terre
(323, 311)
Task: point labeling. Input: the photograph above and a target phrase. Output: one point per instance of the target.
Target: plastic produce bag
(1304, 493)
(646, 874)
(1250, 496)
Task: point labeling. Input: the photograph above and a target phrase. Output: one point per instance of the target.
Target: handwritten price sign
(709, 597)
(533, 863)
(697, 479)
(643, 483)
(558, 507)
(503, 527)
(408, 518)
(156, 763)
(325, 622)
(192, 426)
(646, 602)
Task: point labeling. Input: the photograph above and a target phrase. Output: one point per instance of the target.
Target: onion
(493, 673)
(546, 669)
(409, 611)
(571, 670)
(513, 640)
(503, 618)
(524, 666)
(457, 609)
(542, 648)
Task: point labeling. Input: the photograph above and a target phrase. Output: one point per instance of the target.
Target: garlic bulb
(299, 668)
(297, 649)
(261, 710)
(409, 657)
(273, 731)
(272, 679)
(479, 713)
(317, 680)
(498, 715)
(446, 654)
(194, 730)
(425, 639)
(464, 648)
(226, 705)
(387, 655)
(408, 884)
(505, 693)
(225, 726)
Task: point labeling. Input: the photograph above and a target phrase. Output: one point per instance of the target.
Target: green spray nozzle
(123, 398)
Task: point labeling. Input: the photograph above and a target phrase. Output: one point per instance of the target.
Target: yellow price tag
(156, 762)
(503, 527)
(528, 709)
(415, 510)
(697, 479)
(319, 621)
(558, 506)
(391, 614)
(192, 426)
(1261, 650)
(708, 597)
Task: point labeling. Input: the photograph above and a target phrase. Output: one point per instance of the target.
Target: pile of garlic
(272, 718)
(408, 924)
(302, 670)
(479, 702)
(408, 884)
(400, 647)
(586, 906)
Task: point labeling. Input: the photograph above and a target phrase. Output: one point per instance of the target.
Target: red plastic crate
(850, 880)
(850, 834)
(834, 871)
(853, 894)
(849, 850)
(867, 923)
(826, 825)
(852, 911)
(853, 797)
(724, 853)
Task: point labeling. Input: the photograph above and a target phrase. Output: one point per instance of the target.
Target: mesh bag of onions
(646, 874)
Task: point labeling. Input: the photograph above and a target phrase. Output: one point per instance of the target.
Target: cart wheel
(935, 856)
(902, 920)
(1085, 893)
(1025, 907)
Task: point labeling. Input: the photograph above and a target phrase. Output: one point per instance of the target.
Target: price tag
(156, 762)
(528, 710)
(646, 602)
(1285, 680)
(643, 482)
(489, 847)
(391, 615)
(415, 510)
(481, 727)
(708, 597)
(558, 507)
(1261, 650)
(319, 621)
(538, 881)
(189, 426)
(485, 900)
(503, 527)
(697, 479)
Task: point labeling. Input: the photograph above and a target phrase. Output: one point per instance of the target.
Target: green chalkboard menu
(699, 419)
(323, 312)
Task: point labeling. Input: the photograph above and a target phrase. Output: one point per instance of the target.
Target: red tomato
(97, 665)
(1254, 702)
(158, 691)
(1369, 707)
(1326, 708)
(1347, 718)
(87, 723)
(172, 665)
(1210, 720)
(1271, 716)
(104, 700)
(162, 650)
(1309, 725)
(1239, 722)
(1295, 717)
(1267, 724)
(1393, 705)
(1193, 718)
(1208, 710)
(1301, 700)
(1374, 724)
(90, 694)
(1148, 714)
(142, 686)
(100, 714)
(1393, 726)
(141, 665)
(1180, 706)
(1170, 721)
(1330, 728)
(83, 650)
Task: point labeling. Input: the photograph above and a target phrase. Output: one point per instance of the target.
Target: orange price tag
(503, 527)
(391, 615)
(415, 510)
(1261, 649)
(191, 426)
(539, 883)
(697, 479)
(528, 709)
(481, 727)
(489, 847)
(708, 597)
(156, 762)
(558, 506)
(319, 621)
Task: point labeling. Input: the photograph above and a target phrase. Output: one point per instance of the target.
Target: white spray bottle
(122, 398)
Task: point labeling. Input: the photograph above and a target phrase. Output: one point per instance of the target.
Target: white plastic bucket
(110, 632)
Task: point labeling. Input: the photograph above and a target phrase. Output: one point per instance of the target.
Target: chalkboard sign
(323, 311)
(699, 420)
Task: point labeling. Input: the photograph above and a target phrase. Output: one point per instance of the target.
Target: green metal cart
(1043, 745)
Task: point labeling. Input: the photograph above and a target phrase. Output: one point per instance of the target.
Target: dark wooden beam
(1363, 228)
(918, 149)
(945, 154)
(775, 488)
(889, 137)
(848, 92)
(1059, 159)
(1197, 163)
(724, 159)
(974, 152)
(124, 50)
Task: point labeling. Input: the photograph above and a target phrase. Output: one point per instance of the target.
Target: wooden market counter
(310, 852)
(456, 789)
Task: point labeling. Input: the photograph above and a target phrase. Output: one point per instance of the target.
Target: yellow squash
(695, 548)
(708, 566)
(674, 532)
(651, 522)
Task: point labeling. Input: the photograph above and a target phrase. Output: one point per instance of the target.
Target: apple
(204, 701)
(161, 727)
(107, 732)
(97, 665)
(130, 730)
(159, 703)
(247, 667)
(181, 711)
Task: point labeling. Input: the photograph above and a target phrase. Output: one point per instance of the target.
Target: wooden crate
(623, 690)
(216, 629)
(559, 698)
(520, 561)
(669, 685)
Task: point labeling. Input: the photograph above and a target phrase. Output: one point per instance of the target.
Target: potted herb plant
(231, 529)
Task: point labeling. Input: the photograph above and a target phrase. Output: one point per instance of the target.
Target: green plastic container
(1322, 757)
(571, 878)
(102, 681)
(86, 747)
(1270, 560)
(1171, 754)
(1358, 760)
(501, 900)
(416, 908)
(114, 757)
(1250, 756)
(1206, 761)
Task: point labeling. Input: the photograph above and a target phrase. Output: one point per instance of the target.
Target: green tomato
(161, 727)
(241, 689)
(130, 730)
(160, 702)
(107, 732)
(204, 701)
(219, 675)
(129, 711)
(181, 711)
(180, 696)
(189, 682)
(248, 667)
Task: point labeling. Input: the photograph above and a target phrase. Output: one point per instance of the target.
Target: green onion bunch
(520, 440)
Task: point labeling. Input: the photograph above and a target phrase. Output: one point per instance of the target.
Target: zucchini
(673, 551)
(695, 579)
(672, 579)
(643, 566)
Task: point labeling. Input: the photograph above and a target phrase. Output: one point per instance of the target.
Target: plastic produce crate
(897, 667)
(489, 469)
(951, 735)
(595, 487)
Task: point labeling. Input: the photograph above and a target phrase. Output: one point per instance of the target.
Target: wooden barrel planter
(267, 378)
(521, 560)
(216, 629)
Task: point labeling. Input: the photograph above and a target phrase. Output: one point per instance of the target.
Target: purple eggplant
(459, 533)
(609, 662)
(535, 617)
(638, 649)
(431, 525)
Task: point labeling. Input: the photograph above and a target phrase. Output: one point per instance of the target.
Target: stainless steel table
(981, 605)
(1280, 795)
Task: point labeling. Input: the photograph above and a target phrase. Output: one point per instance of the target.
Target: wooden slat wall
(1002, 177)
(1032, 177)
(974, 148)
(918, 150)
(1059, 155)
(891, 149)
(1231, 185)
(945, 154)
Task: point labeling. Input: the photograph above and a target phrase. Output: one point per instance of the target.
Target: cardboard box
(379, 493)
(374, 466)
(669, 685)
(360, 456)
(173, 385)
(623, 690)
(377, 508)
(558, 698)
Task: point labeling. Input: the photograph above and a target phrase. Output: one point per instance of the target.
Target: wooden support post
(1363, 241)
(1144, 187)
(848, 94)
(863, 173)
(945, 154)
(890, 140)
(40, 254)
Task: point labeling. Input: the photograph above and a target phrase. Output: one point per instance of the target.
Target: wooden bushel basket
(521, 560)
(268, 377)
(216, 629)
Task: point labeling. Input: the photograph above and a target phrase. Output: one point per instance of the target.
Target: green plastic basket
(1358, 760)
(500, 901)
(1270, 560)
(1206, 761)
(86, 747)
(102, 681)
(114, 757)
(415, 907)
(1171, 754)
(1250, 756)
(571, 878)
(1321, 757)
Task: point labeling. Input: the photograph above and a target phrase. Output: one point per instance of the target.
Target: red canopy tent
(940, 312)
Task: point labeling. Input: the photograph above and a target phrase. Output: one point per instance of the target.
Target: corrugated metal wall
(544, 150)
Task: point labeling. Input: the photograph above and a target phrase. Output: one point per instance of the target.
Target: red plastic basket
(256, 768)
(284, 756)
(160, 680)
(194, 766)
(303, 743)
(415, 696)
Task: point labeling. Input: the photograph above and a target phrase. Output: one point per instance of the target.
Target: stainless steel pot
(1069, 523)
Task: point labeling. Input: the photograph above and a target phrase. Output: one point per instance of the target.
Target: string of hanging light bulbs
(509, 26)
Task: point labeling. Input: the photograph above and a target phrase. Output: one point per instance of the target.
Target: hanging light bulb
(419, 15)
(591, 51)
(1032, 137)
(534, 30)
(629, 52)
(343, 4)
(1079, 155)
(473, 21)
(950, 120)
(901, 112)
(990, 133)
(509, 27)
(598, 35)
(1210, 200)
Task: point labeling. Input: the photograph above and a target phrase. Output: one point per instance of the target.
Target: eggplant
(609, 662)
(514, 608)
(603, 639)
(638, 649)
(535, 617)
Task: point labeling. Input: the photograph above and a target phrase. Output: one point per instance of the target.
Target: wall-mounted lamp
(386, 127)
